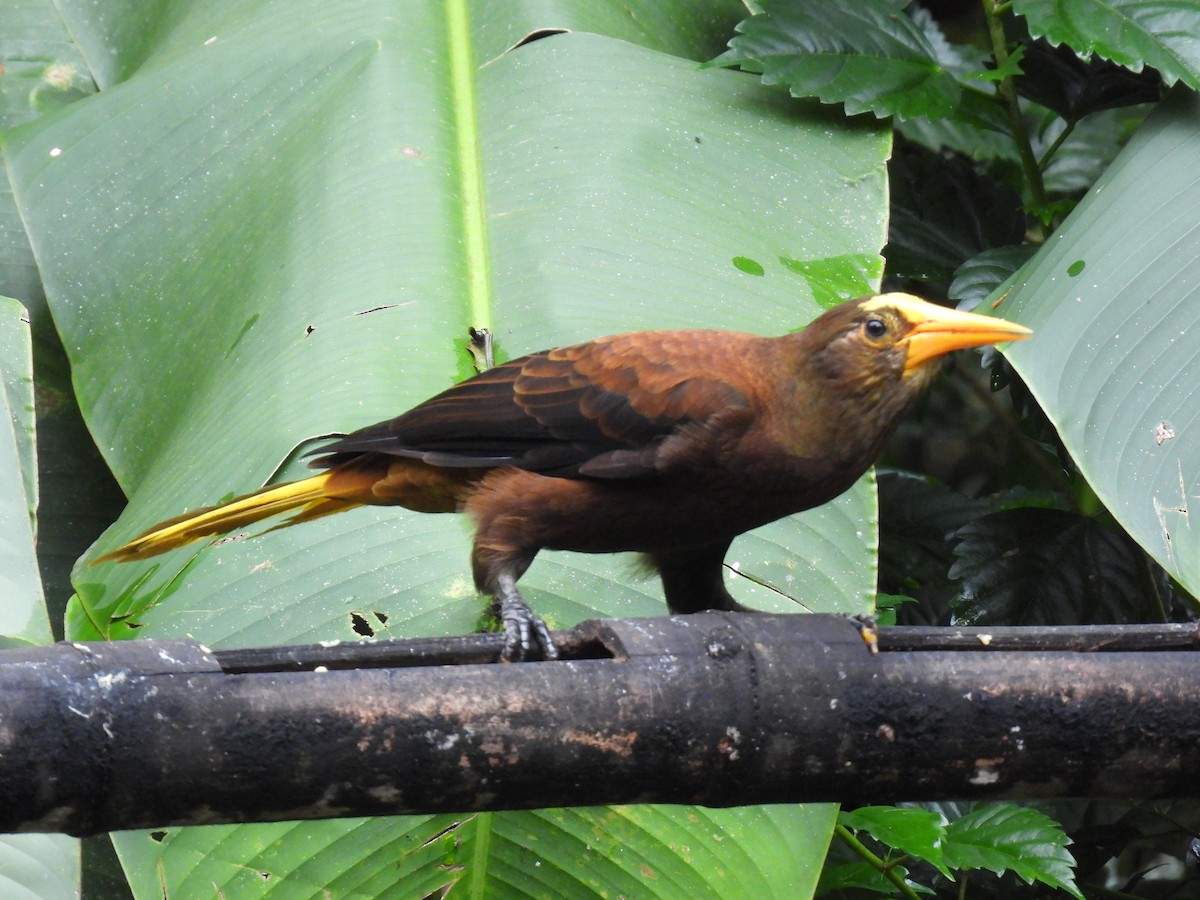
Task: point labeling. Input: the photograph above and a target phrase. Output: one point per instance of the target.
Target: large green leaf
(22, 608)
(632, 851)
(271, 227)
(30, 865)
(280, 310)
(39, 867)
(44, 71)
(1114, 300)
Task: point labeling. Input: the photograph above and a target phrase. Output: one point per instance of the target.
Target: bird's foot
(524, 631)
(868, 630)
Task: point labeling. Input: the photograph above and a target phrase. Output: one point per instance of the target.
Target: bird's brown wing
(600, 409)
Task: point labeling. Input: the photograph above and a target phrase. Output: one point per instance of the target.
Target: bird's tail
(309, 495)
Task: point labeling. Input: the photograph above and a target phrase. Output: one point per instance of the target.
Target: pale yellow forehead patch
(912, 308)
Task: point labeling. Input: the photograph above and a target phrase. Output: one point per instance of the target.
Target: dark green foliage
(918, 516)
(869, 56)
(975, 279)
(900, 848)
(944, 212)
(1052, 567)
(1057, 79)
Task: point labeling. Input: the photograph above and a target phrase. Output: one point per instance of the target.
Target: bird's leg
(694, 579)
(501, 553)
(523, 628)
(868, 630)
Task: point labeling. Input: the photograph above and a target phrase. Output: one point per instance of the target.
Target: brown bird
(670, 443)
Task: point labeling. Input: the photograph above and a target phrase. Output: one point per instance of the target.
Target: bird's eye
(875, 328)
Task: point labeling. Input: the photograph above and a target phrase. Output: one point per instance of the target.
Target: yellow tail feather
(308, 493)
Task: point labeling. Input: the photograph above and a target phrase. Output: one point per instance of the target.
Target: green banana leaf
(278, 220)
(23, 619)
(31, 865)
(1114, 299)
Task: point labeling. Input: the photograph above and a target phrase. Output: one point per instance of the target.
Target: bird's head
(891, 343)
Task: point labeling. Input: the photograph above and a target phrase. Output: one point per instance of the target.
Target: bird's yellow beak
(937, 330)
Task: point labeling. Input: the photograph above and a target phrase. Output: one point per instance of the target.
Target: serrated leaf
(868, 55)
(1049, 567)
(978, 131)
(1007, 838)
(980, 275)
(917, 518)
(1133, 33)
(1010, 68)
(917, 832)
(965, 61)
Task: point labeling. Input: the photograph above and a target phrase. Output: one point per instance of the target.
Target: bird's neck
(840, 412)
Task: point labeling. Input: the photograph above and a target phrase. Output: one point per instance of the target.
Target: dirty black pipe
(713, 709)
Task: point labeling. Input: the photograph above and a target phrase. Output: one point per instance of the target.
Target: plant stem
(1008, 95)
(1053, 148)
(888, 871)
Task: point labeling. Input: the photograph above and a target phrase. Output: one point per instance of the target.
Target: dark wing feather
(600, 409)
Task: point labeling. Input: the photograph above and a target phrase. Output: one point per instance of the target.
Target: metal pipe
(714, 709)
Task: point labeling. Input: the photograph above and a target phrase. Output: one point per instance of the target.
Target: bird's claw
(868, 630)
(524, 631)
